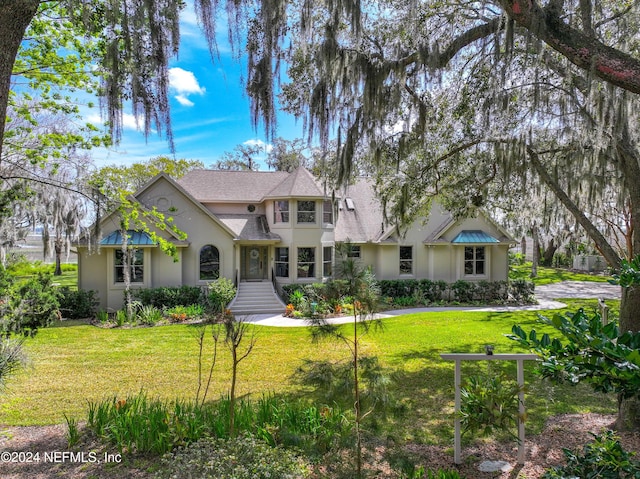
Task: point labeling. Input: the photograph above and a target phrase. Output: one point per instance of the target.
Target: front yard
(72, 363)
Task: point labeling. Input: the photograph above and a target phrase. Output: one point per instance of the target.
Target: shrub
(149, 315)
(77, 304)
(220, 293)
(102, 316)
(463, 291)
(12, 358)
(168, 297)
(489, 403)
(244, 457)
(603, 458)
(335, 383)
(522, 290)
(33, 304)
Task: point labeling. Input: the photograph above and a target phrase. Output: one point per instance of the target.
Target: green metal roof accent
(474, 236)
(136, 238)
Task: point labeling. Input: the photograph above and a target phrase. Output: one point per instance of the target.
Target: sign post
(458, 358)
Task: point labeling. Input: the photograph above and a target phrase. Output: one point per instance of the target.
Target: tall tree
(453, 97)
(286, 155)
(130, 178)
(244, 157)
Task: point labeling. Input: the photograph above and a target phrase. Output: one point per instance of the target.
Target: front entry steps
(256, 297)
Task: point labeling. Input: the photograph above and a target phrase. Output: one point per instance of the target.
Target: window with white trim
(306, 262)
(306, 212)
(281, 211)
(474, 260)
(282, 262)
(136, 267)
(327, 212)
(327, 261)
(406, 259)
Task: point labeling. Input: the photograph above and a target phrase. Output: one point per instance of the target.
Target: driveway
(577, 289)
(547, 296)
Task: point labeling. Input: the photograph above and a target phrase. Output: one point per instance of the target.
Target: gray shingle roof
(300, 184)
(212, 186)
(365, 222)
(249, 227)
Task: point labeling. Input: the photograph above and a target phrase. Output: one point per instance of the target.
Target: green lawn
(73, 363)
(553, 275)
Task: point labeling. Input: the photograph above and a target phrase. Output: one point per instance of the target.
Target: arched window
(209, 262)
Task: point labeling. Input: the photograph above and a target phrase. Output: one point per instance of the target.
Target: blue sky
(209, 110)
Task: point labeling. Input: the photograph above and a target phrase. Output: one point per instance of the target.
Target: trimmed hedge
(410, 292)
(168, 297)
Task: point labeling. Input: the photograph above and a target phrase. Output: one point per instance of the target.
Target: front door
(255, 263)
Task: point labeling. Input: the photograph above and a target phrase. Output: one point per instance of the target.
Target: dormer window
(281, 211)
(306, 211)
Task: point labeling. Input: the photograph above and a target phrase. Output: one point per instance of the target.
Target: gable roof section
(188, 195)
(221, 186)
(360, 220)
(249, 227)
(299, 184)
(469, 236)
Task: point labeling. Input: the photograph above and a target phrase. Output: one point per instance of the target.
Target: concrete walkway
(546, 295)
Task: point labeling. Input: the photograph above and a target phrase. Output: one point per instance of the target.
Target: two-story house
(267, 229)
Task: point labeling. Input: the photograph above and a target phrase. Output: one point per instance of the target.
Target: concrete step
(256, 298)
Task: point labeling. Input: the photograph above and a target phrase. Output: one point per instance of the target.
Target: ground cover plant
(143, 424)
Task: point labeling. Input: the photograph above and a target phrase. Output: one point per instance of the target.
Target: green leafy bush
(463, 291)
(591, 352)
(522, 291)
(220, 293)
(31, 304)
(168, 297)
(244, 457)
(603, 458)
(77, 304)
(489, 402)
(149, 315)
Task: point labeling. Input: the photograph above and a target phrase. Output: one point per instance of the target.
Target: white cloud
(128, 121)
(184, 83)
(267, 147)
(184, 101)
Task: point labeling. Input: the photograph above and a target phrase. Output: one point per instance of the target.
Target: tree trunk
(15, 17)
(58, 253)
(548, 253)
(536, 251)
(609, 253)
(356, 386)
